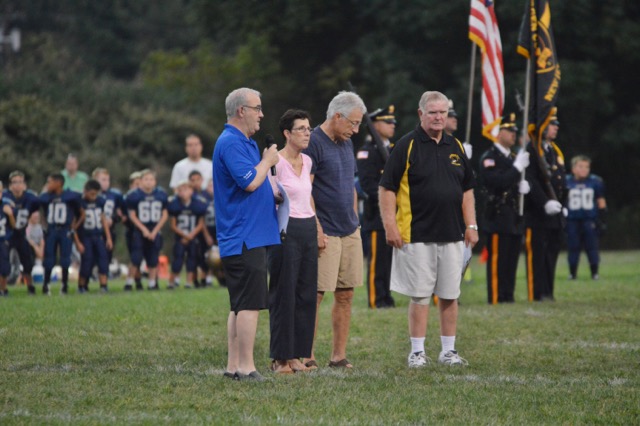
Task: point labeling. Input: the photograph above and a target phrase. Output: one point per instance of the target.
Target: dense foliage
(121, 83)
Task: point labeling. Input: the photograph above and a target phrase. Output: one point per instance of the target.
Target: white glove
(522, 160)
(468, 149)
(552, 207)
(524, 187)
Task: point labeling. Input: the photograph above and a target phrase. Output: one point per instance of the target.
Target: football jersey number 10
(581, 199)
(149, 211)
(57, 214)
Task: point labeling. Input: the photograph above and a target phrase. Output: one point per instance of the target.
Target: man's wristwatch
(474, 227)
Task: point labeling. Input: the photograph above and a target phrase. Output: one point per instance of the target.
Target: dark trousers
(25, 252)
(180, 251)
(57, 237)
(542, 248)
(293, 287)
(379, 274)
(582, 234)
(504, 250)
(95, 253)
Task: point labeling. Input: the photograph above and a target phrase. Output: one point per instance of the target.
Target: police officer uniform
(370, 167)
(543, 233)
(502, 223)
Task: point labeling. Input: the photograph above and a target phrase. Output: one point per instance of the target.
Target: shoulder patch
(362, 155)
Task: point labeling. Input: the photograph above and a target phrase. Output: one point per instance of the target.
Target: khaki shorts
(340, 263)
(420, 270)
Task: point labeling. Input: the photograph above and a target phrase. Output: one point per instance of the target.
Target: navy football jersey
(148, 207)
(187, 216)
(5, 227)
(60, 210)
(210, 216)
(93, 210)
(113, 200)
(24, 206)
(583, 195)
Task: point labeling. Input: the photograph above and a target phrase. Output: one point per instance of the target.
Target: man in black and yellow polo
(500, 175)
(544, 213)
(428, 213)
(370, 167)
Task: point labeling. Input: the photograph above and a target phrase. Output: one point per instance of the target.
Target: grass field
(158, 358)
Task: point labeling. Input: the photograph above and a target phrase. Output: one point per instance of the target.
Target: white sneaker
(451, 358)
(418, 359)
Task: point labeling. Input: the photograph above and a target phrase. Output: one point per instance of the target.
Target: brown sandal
(279, 368)
(343, 363)
(297, 366)
(311, 364)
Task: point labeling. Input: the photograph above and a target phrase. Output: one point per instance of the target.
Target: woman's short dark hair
(291, 115)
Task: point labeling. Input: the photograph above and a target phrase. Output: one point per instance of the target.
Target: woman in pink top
(293, 265)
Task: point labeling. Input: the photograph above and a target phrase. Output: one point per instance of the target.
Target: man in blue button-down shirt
(246, 224)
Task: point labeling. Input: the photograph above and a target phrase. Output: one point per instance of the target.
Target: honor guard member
(370, 168)
(544, 216)
(586, 220)
(500, 175)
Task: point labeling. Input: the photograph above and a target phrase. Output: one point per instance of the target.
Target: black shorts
(246, 279)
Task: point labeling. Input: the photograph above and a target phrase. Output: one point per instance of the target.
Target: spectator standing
(335, 201)
(293, 265)
(428, 212)
(74, 179)
(193, 161)
(246, 225)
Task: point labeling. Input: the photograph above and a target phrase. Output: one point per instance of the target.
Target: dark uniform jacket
(535, 215)
(500, 180)
(370, 168)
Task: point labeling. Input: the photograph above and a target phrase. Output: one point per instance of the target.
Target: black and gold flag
(536, 43)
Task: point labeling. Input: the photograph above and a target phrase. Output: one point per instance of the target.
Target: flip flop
(343, 363)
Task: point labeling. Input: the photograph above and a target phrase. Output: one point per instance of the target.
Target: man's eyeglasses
(257, 109)
(354, 124)
(302, 129)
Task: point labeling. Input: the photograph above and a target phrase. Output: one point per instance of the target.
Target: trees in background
(121, 83)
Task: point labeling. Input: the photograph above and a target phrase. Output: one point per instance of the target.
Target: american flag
(483, 30)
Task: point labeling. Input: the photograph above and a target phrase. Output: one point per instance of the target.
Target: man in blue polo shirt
(246, 224)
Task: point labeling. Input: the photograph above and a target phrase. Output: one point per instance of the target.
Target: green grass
(158, 358)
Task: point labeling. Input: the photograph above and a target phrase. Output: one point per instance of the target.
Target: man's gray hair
(345, 102)
(236, 99)
(429, 97)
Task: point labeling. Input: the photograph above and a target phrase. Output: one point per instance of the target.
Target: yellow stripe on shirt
(403, 202)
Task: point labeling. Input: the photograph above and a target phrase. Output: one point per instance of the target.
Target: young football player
(187, 220)
(134, 183)
(586, 217)
(7, 223)
(113, 202)
(205, 238)
(147, 207)
(63, 213)
(26, 204)
(93, 238)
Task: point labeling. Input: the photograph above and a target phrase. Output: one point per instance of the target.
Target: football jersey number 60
(581, 199)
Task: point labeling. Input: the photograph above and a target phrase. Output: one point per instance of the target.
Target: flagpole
(525, 126)
(467, 133)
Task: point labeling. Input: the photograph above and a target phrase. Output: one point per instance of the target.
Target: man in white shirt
(194, 161)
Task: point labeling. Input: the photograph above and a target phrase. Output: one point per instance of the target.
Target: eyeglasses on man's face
(257, 108)
(354, 124)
